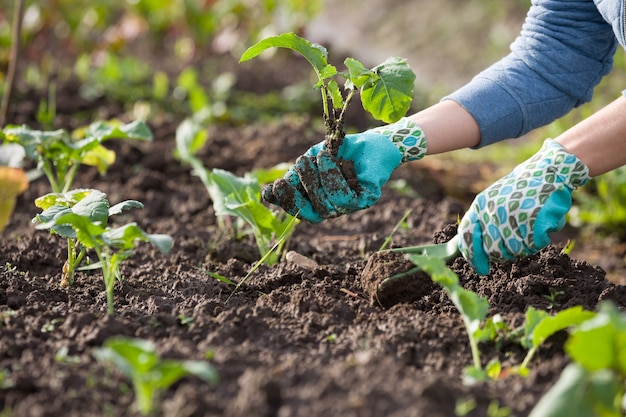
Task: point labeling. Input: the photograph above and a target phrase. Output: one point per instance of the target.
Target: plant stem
(342, 115)
(47, 169)
(13, 60)
(475, 350)
(529, 356)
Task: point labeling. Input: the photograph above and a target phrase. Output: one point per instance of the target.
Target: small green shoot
(472, 307)
(59, 153)
(150, 374)
(386, 90)
(84, 222)
(389, 238)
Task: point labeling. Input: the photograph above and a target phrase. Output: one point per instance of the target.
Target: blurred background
(165, 60)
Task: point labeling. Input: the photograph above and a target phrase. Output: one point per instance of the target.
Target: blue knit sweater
(563, 51)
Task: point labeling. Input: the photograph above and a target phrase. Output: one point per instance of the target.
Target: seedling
(150, 374)
(84, 222)
(537, 328)
(84, 203)
(60, 153)
(386, 90)
(236, 197)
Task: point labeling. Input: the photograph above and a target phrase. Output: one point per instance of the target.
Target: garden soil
(296, 339)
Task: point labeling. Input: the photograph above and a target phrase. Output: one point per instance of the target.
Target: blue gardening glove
(514, 215)
(316, 186)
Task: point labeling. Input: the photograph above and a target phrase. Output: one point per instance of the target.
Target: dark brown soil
(294, 340)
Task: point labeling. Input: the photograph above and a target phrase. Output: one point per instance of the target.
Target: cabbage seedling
(85, 222)
(149, 373)
(386, 90)
(59, 153)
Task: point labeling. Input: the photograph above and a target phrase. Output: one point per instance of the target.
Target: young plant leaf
(390, 96)
(149, 373)
(359, 74)
(564, 319)
(316, 54)
(581, 393)
(600, 343)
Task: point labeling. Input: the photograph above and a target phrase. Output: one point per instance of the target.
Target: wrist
(407, 136)
(572, 171)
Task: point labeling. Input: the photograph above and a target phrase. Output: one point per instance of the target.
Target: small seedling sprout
(149, 373)
(85, 222)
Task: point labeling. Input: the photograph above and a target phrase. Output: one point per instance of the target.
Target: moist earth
(295, 339)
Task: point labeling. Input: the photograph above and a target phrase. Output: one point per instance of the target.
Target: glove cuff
(407, 136)
(553, 159)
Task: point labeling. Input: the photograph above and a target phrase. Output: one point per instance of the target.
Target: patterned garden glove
(316, 187)
(514, 215)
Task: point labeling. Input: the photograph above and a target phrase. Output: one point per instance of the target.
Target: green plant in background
(602, 203)
(82, 217)
(236, 197)
(150, 374)
(594, 384)
(386, 90)
(58, 154)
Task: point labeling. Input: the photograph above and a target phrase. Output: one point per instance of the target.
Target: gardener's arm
(562, 53)
(600, 140)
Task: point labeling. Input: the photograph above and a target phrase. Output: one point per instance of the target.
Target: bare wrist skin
(447, 127)
(599, 140)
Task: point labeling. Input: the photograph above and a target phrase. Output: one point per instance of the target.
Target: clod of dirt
(388, 292)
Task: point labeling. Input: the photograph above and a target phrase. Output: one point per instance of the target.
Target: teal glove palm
(513, 216)
(316, 188)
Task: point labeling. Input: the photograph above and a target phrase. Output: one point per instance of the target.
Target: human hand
(316, 187)
(513, 216)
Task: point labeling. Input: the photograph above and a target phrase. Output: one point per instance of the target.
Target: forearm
(600, 140)
(447, 127)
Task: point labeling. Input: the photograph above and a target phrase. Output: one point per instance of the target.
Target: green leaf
(359, 74)
(125, 237)
(191, 136)
(600, 343)
(335, 94)
(581, 393)
(549, 325)
(137, 130)
(472, 307)
(131, 356)
(316, 54)
(533, 318)
(389, 97)
(94, 206)
(223, 185)
(87, 233)
(265, 176)
(125, 205)
(99, 157)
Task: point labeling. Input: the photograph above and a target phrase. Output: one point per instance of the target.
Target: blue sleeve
(561, 54)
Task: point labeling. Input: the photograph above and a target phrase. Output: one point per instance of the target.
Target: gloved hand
(513, 216)
(316, 187)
